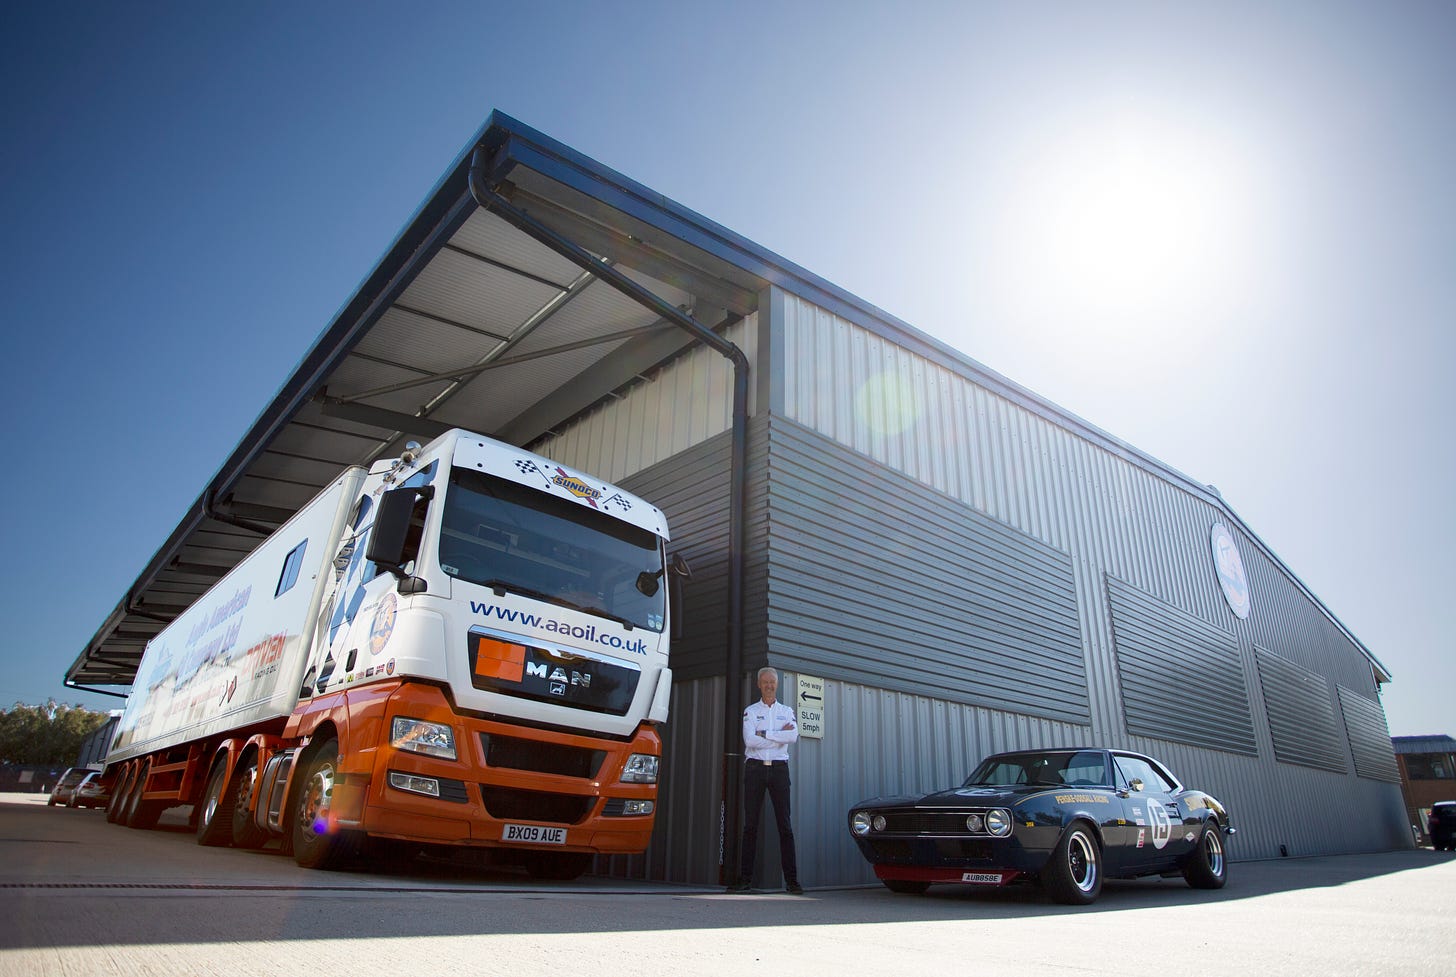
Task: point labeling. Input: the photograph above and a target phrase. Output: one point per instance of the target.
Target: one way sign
(810, 704)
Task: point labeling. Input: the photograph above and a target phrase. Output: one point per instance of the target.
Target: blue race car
(1064, 818)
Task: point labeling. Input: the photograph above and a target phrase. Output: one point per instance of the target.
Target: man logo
(535, 669)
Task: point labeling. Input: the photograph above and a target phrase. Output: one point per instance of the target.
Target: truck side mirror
(390, 536)
(678, 573)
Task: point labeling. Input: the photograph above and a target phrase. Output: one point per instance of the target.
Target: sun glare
(1126, 219)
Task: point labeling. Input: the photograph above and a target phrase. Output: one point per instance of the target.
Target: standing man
(769, 727)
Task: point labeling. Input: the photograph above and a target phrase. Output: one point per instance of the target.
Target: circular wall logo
(1230, 569)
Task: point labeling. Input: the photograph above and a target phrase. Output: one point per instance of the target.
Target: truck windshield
(501, 534)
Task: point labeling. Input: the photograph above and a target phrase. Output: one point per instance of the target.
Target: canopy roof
(468, 322)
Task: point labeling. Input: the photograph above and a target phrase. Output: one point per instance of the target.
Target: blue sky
(1225, 236)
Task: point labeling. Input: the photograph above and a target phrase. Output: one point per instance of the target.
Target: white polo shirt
(764, 737)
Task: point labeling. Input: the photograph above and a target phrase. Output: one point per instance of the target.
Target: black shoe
(795, 889)
(740, 886)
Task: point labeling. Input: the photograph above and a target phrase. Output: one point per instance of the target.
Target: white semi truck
(466, 645)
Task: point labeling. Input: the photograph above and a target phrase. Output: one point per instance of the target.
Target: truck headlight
(641, 768)
(418, 736)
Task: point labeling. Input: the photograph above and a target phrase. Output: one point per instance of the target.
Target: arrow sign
(811, 707)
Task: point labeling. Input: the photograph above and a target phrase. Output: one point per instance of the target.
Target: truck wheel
(141, 814)
(246, 834)
(316, 844)
(1073, 875)
(215, 813)
(133, 793)
(1206, 867)
(118, 794)
(556, 866)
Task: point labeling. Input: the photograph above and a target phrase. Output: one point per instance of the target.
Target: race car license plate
(533, 834)
(982, 878)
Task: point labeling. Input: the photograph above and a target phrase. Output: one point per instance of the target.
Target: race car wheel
(1206, 867)
(317, 843)
(905, 886)
(1073, 875)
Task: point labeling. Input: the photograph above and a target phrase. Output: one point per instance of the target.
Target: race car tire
(1207, 866)
(1073, 875)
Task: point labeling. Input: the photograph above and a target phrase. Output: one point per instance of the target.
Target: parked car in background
(91, 792)
(1441, 825)
(1064, 818)
(65, 788)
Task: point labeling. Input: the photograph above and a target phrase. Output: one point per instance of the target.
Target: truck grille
(511, 804)
(520, 754)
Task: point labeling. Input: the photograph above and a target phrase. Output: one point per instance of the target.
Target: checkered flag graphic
(528, 467)
(624, 504)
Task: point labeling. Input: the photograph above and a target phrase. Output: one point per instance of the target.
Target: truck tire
(119, 789)
(215, 812)
(315, 843)
(141, 814)
(246, 834)
(129, 813)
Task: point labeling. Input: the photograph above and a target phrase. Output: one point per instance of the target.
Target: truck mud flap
(272, 786)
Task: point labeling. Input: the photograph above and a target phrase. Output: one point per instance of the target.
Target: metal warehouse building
(966, 566)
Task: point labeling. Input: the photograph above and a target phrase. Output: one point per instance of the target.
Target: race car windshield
(1081, 768)
(515, 539)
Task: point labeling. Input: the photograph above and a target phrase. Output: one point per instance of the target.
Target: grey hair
(770, 669)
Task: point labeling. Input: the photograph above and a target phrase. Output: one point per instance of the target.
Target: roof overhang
(464, 322)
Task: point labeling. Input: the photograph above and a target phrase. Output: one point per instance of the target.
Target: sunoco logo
(576, 486)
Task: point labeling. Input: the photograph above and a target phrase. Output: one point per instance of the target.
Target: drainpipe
(485, 195)
(210, 510)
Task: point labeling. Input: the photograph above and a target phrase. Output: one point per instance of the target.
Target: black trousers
(758, 779)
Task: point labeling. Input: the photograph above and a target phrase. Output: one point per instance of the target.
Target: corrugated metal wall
(1181, 677)
(1127, 525)
(1301, 714)
(1369, 736)
(870, 446)
(877, 579)
(685, 403)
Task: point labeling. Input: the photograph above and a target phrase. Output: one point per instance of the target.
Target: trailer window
(289, 575)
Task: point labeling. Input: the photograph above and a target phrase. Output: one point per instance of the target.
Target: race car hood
(959, 797)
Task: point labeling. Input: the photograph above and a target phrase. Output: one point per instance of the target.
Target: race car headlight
(860, 823)
(998, 822)
(641, 768)
(975, 824)
(418, 736)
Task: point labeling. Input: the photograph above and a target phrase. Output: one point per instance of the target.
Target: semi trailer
(464, 645)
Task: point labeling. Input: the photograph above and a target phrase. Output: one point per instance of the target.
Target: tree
(50, 733)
